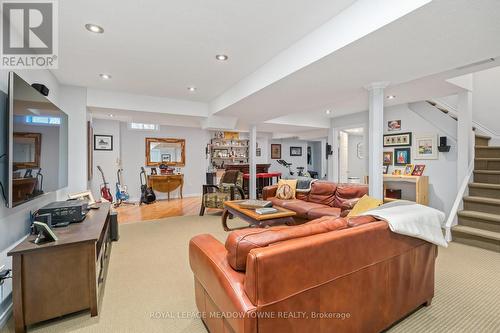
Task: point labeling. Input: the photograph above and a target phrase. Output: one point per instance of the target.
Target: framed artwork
(426, 147)
(295, 151)
(385, 169)
(103, 142)
(154, 172)
(397, 172)
(402, 156)
(258, 152)
(394, 125)
(418, 170)
(409, 169)
(388, 157)
(400, 139)
(166, 158)
(276, 151)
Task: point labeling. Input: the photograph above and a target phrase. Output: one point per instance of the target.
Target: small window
(43, 120)
(141, 126)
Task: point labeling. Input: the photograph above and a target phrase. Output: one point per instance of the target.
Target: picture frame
(426, 147)
(258, 152)
(154, 172)
(85, 195)
(409, 169)
(402, 156)
(385, 169)
(394, 125)
(103, 142)
(276, 151)
(398, 140)
(295, 151)
(388, 157)
(418, 170)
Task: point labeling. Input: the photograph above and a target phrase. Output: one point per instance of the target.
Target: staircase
(479, 222)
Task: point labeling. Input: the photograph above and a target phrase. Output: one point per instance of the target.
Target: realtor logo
(29, 34)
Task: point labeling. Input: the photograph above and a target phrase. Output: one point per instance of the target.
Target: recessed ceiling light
(111, 115)
(391, 97)
(191, 89)
(221, 57)
(328, 111)
(105, 76)
(94, 28)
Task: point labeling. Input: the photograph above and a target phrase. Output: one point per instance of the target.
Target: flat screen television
(37, 140)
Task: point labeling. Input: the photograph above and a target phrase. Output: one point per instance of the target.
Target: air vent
(482, 62)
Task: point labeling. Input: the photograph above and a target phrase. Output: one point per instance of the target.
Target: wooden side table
(166, 183)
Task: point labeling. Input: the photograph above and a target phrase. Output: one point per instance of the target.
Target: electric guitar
(105, 191)
(121, 190)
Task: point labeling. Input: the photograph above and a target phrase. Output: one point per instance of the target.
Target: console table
(166, 183)
(61, 277)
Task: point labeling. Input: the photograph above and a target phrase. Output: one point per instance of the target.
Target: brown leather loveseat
(324, 199)
(327, 275)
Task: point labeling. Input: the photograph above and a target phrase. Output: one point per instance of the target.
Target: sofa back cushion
(240, 242)
(347, 195)
(322, 192)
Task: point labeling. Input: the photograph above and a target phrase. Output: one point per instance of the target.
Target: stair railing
(452, 216)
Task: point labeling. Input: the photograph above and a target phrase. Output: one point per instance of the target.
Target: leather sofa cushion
(316, 213)
(240, 242)
(346, 193)
(323, 192)
(301, 207)
(360, 220)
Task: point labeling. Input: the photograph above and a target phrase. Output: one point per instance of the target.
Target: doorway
(352, 166)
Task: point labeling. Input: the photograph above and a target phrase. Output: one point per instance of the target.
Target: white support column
(252, 185)
(375, 138)
(331, 160)
(464, 135)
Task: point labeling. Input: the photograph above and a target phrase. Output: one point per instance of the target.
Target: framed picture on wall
(388, 157)
(394, 125)
(103, 142)
(276, 151)
(258, 152)
(400, 139)
(426, 147)
(402, 156)
(295, 151)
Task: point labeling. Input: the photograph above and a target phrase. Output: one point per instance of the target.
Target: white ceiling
(160, 47)
(435, 38)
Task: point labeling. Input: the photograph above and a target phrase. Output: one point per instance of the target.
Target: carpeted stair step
(487, 176)
(479, 220)
(482, 204)
(487, 151)
(484, 190)
(482, 140)
(485, 239)
(486, 163)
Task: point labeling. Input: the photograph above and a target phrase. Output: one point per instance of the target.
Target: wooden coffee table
(283, 216)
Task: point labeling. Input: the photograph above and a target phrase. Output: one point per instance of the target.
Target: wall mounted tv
(37, 144)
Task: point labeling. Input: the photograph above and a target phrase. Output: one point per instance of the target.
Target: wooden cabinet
(419, 185)
(54, 279)
(166, 183)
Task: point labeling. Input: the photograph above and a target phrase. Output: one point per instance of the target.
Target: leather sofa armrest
(269, 191)
(207, 258)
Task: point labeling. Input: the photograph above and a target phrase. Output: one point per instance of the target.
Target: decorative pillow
(286, 189)
(364, 204)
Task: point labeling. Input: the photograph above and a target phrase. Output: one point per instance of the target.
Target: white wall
(133, 157)
(442, 172)
(14, 222)
(486, 99)
(356, 166)
(297, 161)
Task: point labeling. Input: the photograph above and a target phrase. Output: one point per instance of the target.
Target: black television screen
(38, 144)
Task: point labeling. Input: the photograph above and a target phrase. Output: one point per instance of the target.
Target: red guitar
(105, 191)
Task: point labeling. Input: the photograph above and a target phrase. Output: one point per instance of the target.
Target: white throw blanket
(411, 219)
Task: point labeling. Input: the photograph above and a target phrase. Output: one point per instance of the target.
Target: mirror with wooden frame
(170, 152)
(26, 150)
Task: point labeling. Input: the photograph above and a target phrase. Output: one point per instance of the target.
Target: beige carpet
(149, 272)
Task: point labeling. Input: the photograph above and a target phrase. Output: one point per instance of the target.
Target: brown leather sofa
(324, 199)
(327, 275)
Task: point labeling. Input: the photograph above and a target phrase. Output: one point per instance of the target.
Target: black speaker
(443, 141)
(42, 89)
(329, 150)
(113, 219)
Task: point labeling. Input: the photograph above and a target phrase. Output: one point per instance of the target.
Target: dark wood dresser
(62, 277)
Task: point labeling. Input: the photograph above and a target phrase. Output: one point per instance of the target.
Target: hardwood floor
(160, 209)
